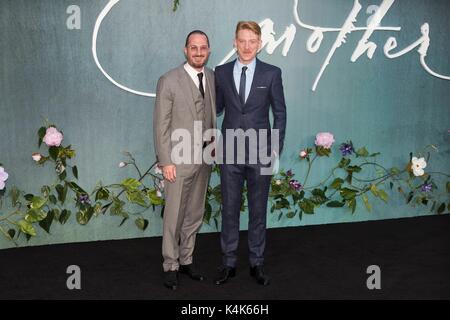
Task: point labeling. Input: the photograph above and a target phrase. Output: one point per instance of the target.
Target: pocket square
(261, 87)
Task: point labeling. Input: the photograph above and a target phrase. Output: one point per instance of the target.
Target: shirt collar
(193, 71)
(250, 66)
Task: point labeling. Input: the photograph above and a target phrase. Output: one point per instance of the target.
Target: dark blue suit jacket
(266, 91)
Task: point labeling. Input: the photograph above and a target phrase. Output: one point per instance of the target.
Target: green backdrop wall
(393, 106)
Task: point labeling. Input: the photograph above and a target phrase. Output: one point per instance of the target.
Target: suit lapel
(212, 97)
(256, 75)
(230, 80)
(183, 78)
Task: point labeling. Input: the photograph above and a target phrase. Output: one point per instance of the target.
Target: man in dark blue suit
(246, 88)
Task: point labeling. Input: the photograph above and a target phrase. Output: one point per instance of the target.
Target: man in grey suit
(184, 107)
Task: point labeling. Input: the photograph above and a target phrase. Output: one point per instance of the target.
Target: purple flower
(346, 148)
(83, 198)
(289, 173)
(295, 185)
(426, 187)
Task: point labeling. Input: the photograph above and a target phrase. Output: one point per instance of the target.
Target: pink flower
(53, 137)
(36, 156)
(324, 139)
(3, 178)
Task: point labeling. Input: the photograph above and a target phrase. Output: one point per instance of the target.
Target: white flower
(158, 170)
(303, 154)
(36, 156)
(3, 177)
(417, 166)
(278, 182)
(122, 164)
(159, 194)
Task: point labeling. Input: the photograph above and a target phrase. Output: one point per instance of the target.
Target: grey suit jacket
(175, 109)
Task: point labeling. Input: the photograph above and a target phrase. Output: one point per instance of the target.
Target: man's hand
(169, 172)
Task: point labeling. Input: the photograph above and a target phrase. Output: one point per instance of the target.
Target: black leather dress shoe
(191, 271)
(258, 273)
(171, 279)
(224, 274)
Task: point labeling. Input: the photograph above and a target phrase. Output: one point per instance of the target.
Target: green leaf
(83, 216)
(137, 197)
(175, 5)
(26, 228)
(318, 197)
(76, 188)
(290, 214)
(123, 221)
(62, 192)
(383, 195)
(353, 169)
(280, 215)
(344, 162)
(141, 223)
(52, 199)
(14, 193)
(348, 193)
(65, 214)
(154, 199)
(374, 190)
(63, 175)
(208, 211)
(352, 205)
(41, 135)
(335, 204)
(35, 215)
(337, 183)
(102, 194)
(130, 184)
(75, 172)
(321, 151)
(366, 203)
(441, 208)
(45, 190)
(307, 206)
(11, 233)
(28, 197)
(47, 222)
(53, 152)
(37, 202)
(362, 152)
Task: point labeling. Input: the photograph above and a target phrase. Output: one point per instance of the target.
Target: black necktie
(200, 86)
(242, 85)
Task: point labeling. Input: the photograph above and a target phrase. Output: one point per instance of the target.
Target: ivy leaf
(366, 203)
(348, 193)
(441, 208)
(352, 205)
(54, 152)
(37, 202)
(383, 195)
(353, 169)
(374, 190)
(362, 152)
(41, 135)
(11, 233)
(208, 211)
(35, 215)
(321, 151)
(62, 192)
(26, 228)
(337, 183)
(137, 197)
(102, 194)
(335, 204)
(130, 184)
(47, 222)
(76, 188)
(141, 223)
(344, 162)
(307, 206)
(290, 214)
(65, 214)
(75, 172)
(83, 216)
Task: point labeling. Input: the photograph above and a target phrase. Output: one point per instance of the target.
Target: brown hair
(248, 25)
